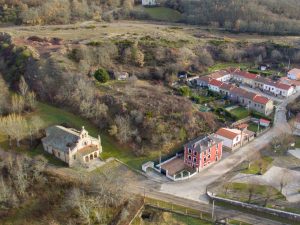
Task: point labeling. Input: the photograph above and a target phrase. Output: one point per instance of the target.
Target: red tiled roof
(214, 82)
(247, 75)
(224, 132)
(283, 86)
(227, 87)
(204, 78)
(218, 74)
(264, 121)
(261, 99)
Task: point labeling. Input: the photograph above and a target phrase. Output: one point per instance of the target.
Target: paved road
(195, 188)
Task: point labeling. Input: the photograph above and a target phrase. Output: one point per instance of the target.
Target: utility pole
(213, 210)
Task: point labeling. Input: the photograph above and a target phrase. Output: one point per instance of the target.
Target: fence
(274, 212)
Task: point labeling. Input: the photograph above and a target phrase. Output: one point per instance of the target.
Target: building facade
(203, 151)
(149, 2)
(231, 137)
(71, 146)
(294, 74)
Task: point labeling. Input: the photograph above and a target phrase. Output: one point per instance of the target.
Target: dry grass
(135, 30)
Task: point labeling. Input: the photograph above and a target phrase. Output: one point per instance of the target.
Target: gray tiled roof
(61, 138)
(202, 143)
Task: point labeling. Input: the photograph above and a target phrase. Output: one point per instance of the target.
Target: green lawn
(163, 14)
(240, 192)
(52, 115)
(240, 113)
(297, 141)
(220, 66)
(259, 165)
(253, 127)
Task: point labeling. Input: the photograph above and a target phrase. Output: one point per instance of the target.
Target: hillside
(152, 54)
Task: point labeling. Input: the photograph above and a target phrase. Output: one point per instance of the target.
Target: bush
(184, 91)
(101, 75)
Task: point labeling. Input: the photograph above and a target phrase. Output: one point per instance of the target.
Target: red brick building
(202, 151)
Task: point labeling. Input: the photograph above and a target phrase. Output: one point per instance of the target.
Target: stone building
(71, 146)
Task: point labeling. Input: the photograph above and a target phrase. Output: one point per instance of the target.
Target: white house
(149, 2)
(231, 137)
(294, 74)
(214, 85)
(221, 75)
(284, 90)
(269, 86)
(70, 145)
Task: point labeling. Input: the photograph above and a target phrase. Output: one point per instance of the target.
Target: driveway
(195, 188)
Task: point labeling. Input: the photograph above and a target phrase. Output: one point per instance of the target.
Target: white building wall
(225, 78)
(291, 76)
(213, 88)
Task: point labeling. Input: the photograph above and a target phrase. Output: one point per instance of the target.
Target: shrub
(101, 75)
(184, 91)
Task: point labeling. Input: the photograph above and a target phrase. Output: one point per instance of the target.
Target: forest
(254, 16)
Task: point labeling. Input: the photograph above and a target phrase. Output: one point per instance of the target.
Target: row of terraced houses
(218, 82)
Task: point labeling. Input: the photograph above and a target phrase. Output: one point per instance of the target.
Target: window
(208, 157)
(204, 159)
(190, 151)
(261, 106)
(209, 150)
(195, 153)
(74, 157)
(190, 157)
(194, 159)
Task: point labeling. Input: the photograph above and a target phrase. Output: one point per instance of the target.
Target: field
(163, 14)
(258, 166)
(253, 193)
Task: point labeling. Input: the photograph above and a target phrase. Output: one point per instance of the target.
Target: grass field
(240, 192)
(297, 141)
(52, 115)
(220, 66)
(240, 113)
(253, 127)
(163, 14)
(259, 165)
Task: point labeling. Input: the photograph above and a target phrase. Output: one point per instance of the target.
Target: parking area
(174, 166)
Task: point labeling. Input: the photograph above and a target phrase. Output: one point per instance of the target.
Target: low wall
(275, 212)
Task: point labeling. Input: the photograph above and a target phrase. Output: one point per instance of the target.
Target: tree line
(258, 16)
(34, 12)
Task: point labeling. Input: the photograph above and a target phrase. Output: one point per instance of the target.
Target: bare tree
(15, 126)
(31, 100)
(124, 130)
(251, 189)
(23, 87)
(17, 103)
(3, 96)
(285, 179)
(34, 126)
